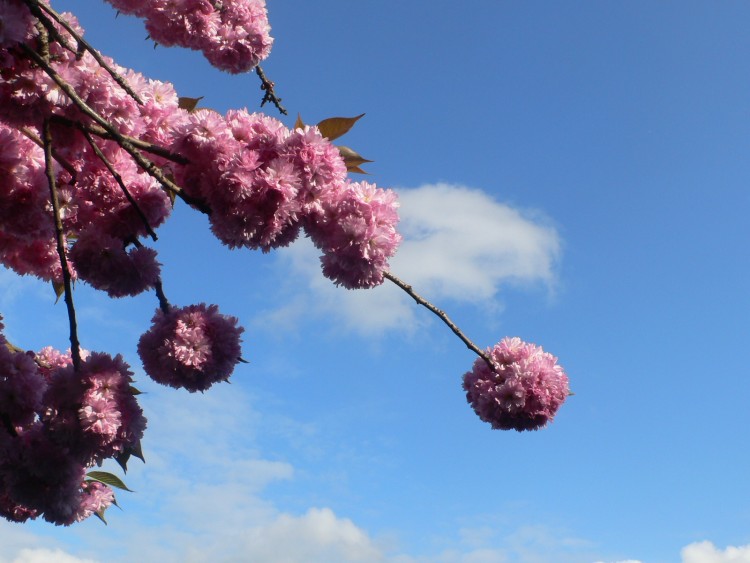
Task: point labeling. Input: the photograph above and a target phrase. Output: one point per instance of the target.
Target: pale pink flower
(95, 499)
(357, 234)
(524, 390)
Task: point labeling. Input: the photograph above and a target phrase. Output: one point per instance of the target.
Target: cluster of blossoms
(261, 181)
(106, 151)
(523, 392)
(101, 211)
(232, 34)
(55, 423)
(264, 182)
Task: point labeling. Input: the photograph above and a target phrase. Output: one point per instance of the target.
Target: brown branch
(36, 8)
(119, 180)
(75, 347)
(136, 142)
(146, 165)
(442, 316)
(160, 295)
(61, 161)
(268, 87)
(163, 301)
(43, 22)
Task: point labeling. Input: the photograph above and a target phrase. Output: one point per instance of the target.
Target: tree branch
(75, 347)
(136, 142)
(36, 8)
(268, 87)
(28, 133)
(146, 165)
(160, 295)
(442, 316)
(118, 179)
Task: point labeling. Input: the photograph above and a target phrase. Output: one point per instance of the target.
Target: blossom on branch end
(524, 391)
(191, 347)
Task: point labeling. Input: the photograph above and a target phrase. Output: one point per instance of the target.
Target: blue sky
(571, 173)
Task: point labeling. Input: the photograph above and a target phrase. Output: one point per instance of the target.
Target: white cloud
(462, 244)
(459, 244)
(707, 552)
(318, 536)
(42, 555)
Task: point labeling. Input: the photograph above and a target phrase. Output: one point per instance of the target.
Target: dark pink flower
(191, 347)
(103, 262)
(93, 412)
(42, 476)
(21, 387)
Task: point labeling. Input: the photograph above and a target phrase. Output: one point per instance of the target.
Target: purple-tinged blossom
(191, 347)
(524, 391)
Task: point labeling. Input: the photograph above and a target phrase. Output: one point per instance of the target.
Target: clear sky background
(573, 173)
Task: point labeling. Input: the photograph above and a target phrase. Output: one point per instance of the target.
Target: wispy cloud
(42, 555)
(459, 244)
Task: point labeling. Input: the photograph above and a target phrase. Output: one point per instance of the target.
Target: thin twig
(149, 167)
(268, 87)
(163, 301)
(442, 316)
(118, 178)
(52, 32)
(160, 295)
(61, 161)
(136, 142)
(82, 43)
(75, 347)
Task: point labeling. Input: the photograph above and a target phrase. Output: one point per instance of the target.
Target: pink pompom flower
(191, 347)
(523, 392)
(103, 262)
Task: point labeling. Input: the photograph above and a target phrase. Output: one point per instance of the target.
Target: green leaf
(137, 451)
(134, 391)
(299, 124)
(107, 479)
(59, 288)
(334, 127)
(357, 170)
(188, 104)
(124, 456)
(122, 460)
(100, 515)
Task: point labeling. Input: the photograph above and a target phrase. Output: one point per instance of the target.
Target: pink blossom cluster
(232, 34)
(523, 392)
(263, 182)
(191, 347)
(98, 219)
(54, 424)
